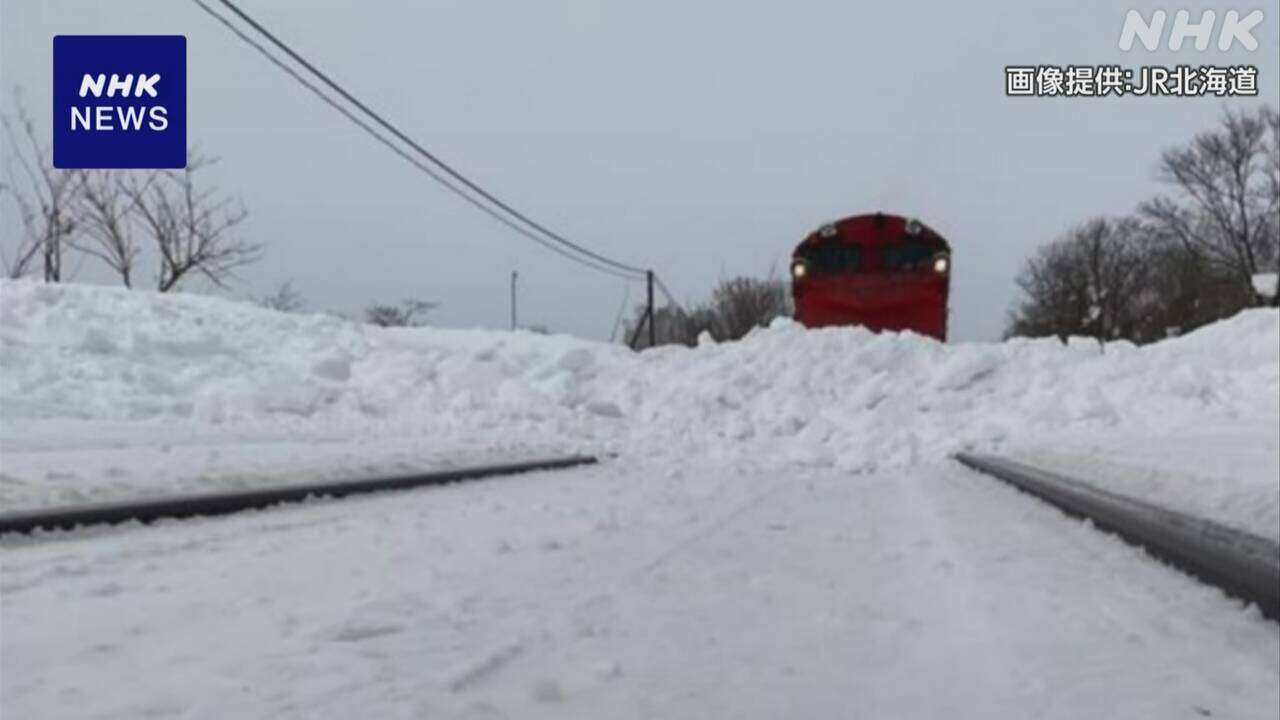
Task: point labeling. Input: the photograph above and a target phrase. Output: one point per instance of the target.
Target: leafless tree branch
(47, 200)
(1227, 184)
(285, 298)
(407, 314)
(192, 229)
(108, 217)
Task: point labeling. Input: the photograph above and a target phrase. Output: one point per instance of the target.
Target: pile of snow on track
(78, 363)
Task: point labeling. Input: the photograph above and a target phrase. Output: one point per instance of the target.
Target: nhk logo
(119, 101)
(1234, 28)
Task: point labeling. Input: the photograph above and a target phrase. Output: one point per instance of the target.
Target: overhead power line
(319, 92)
(565, 246)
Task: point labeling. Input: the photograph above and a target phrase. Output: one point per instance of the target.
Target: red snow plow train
(884, 272)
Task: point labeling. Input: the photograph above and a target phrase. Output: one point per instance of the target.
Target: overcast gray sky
(703, 139)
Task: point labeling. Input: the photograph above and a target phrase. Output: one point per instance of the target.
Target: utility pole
(652, 334)
(648, 316)
(514, 275)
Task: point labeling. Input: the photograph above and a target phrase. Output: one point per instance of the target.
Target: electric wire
(318, 92)
(434, 160)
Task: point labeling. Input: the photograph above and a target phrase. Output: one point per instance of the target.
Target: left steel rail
(224, 503)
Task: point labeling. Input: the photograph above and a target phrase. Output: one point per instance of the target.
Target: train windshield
(831, 258)
(906, 256)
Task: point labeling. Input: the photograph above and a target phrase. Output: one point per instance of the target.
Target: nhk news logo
(119, 101)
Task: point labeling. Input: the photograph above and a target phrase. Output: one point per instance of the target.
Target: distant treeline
(736, 306)
(1180, 260)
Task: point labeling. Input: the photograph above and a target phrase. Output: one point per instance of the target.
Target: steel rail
(1243, 565)
(223, 503)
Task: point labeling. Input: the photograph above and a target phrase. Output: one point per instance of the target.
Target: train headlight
(828, 230)
(913, 227)
(799, 269)
(941, 264)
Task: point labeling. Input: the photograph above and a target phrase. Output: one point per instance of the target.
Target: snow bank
(86, 366)
(1265, 284)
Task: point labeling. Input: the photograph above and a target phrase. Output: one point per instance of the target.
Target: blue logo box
(119, 101)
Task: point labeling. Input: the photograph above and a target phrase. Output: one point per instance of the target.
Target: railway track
(1243, 565)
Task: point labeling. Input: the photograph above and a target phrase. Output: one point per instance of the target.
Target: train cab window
(830, 258)
(907, 256)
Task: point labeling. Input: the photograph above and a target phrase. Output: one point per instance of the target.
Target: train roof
(876, 229)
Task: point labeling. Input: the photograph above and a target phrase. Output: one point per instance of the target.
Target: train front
(883, 272)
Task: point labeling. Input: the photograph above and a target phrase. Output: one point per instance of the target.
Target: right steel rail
(1244, 565)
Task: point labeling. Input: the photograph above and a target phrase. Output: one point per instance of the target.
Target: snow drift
(86, 366)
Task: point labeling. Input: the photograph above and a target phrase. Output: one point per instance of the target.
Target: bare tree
(1092, 281)
(1228, 196)
(743, 303)
(1049, 305)
(1272, 190)
(46, 200)
(108, 215)
(672, 325)
(284, 299)
(407, 314)
(737, 305)
(1184, 292)
(192, 228)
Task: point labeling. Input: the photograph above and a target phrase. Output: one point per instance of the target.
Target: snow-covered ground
(714, 590)
(106, 393)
